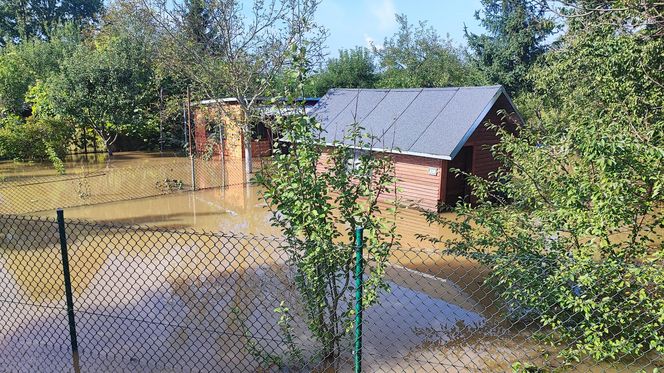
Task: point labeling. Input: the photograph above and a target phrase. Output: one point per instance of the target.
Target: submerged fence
(123, 180)
(149, 299)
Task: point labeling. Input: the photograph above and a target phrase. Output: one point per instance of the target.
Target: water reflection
(122, 190)
(191, 308)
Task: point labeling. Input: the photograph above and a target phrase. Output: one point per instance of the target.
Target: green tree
(354, 68)
(416, 56)
(22, 20)
(516, 31)
(21, 66)
(108, 86)
(38, 137)
(197, 22)
(27, 130)
(571, 227)
(246, 52)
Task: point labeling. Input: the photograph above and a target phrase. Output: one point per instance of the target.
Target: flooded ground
(152, 299)
(128, 190)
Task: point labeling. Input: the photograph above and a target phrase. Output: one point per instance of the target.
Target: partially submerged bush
(318, 202)
(34, 139)
(572, 226)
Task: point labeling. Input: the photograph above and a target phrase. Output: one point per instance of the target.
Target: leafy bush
(34, 139)
(22, 65)
(572, 226)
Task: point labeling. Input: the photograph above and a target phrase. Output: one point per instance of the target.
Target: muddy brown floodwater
(437, 316)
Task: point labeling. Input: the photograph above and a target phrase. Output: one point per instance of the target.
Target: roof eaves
(477, 122)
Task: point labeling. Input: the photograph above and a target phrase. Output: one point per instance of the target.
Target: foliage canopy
(516, 31)
(23, 20)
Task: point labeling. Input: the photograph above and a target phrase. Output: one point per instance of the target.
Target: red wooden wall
(415, 184)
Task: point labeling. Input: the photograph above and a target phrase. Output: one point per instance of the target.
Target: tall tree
(108, 85)
(22, 65)
(21, 20)
(416, 56)
(516, 31)
(197, 22)
(354, 68)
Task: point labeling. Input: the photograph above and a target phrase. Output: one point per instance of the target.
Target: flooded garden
(166, 278)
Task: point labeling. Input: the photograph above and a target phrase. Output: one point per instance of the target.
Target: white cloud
(384, 11)
(371, 42)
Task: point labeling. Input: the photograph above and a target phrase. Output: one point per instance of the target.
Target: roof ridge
(418, 89)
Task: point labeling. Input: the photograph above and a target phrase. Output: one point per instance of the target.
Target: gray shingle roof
(431, 122)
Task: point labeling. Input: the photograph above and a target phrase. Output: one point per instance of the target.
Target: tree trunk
(85, 140)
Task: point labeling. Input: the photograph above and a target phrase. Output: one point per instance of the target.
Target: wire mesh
(34, 333)
(153, 299)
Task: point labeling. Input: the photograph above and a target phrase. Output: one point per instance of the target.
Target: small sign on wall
(433, 171)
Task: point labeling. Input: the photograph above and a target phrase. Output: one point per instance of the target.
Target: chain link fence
(151, 299)
(101, 183)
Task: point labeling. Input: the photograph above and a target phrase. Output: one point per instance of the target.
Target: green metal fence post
(359, 272)
(68, 291)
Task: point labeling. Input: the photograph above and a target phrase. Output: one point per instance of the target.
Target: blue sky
(356, 22)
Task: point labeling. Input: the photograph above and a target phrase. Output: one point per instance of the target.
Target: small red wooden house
(428, 131)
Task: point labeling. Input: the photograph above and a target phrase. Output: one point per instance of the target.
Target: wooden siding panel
(484, 162)
(456, 186)
(483, 138)
(231, 116)
(415, 183)
(322, 162)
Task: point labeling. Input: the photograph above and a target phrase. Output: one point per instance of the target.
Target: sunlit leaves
(571, 227)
